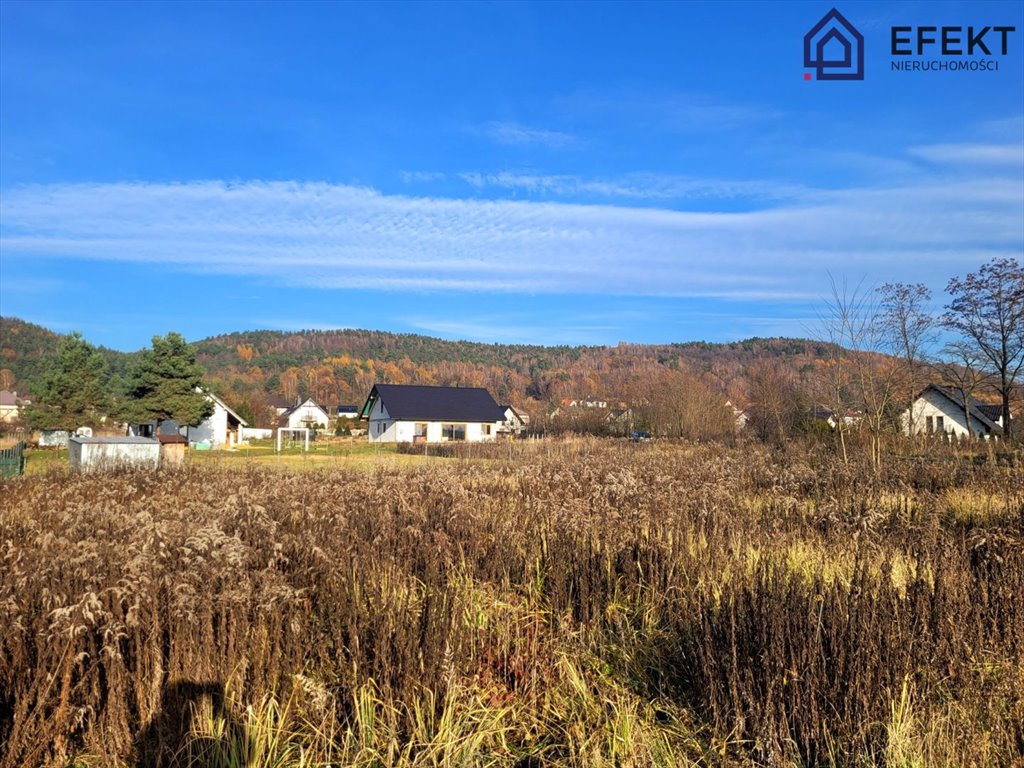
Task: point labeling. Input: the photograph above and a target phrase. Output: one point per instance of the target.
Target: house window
(929, 427)
(486, 429)
(453, 431)
(940, 426)
(419, 431)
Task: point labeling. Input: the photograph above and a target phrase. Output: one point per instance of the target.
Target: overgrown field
(584, 603)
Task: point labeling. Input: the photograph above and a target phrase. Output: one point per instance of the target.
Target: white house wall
(213, 430)
(308, 414)
(932, 403)
(384, 430)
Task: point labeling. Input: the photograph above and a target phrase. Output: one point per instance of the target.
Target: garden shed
(88, 454)
(172, 451)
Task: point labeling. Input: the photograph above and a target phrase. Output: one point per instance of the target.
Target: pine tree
(167, 384)
(71, 391)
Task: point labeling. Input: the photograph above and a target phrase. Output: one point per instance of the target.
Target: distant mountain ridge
(335, 366)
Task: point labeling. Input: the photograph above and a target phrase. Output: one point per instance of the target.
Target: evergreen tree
(71, 391)
(167, 383)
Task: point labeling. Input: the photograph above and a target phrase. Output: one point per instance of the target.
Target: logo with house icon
(834, 49)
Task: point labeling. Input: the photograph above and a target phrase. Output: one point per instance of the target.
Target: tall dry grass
(572, 603)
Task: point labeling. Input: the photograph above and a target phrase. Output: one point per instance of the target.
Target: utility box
(89, 454)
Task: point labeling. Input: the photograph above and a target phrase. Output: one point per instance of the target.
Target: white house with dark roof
(306, 414)
(941, 411)
(517, 421)
(402, 413)
(346, 411)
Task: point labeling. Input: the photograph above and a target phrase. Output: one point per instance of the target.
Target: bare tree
(909, 330)
(987, 307)
(857, 371)
(963, 371)
(778, 402)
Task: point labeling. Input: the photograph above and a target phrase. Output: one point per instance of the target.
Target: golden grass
(580, 603)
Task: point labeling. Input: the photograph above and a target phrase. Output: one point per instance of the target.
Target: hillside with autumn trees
(341, 366)
(249, 369)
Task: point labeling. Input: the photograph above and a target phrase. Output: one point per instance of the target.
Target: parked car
(641, 437)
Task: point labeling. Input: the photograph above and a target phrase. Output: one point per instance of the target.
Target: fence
(12, 461)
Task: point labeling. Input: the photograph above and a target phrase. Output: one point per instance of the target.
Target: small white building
(221, 428)
(940, 411)
(516, 420)
(306, 414)
(90, 454)
(401, 413)
(741, 416)
(11, 405)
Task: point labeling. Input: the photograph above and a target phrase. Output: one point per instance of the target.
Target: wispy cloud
(634, 186)
(421, 177)
(514, 330)
(342, 237)
(505, 132)
(1010, 155)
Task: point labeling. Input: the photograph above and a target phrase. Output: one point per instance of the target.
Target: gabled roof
(520, 414)
(223, 405)
(279, 401)
(978, 410)
(308, 401)
(406, 402)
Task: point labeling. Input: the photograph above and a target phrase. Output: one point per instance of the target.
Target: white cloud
(334, 236)
(1010, 155)
(421, 177)
(514, 133)
(634, 186)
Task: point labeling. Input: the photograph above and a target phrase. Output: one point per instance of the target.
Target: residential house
(516, 421)
(400, 413)
(280, 404)
(11, 405)
(305, 414)
(620, 420)
(221, 428)
(741, 416)
(942, 411)
(346, 412)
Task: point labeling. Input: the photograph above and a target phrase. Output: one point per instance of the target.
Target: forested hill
(249, 368)
(342, 365)
(26, 347)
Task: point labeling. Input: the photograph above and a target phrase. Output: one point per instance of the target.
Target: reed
(570, 603)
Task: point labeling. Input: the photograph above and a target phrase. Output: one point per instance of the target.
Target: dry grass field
(578, 603)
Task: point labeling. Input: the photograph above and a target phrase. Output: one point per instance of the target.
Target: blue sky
(542, 173)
